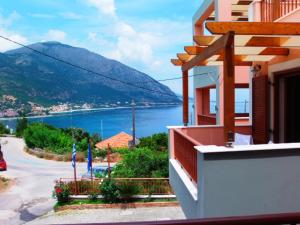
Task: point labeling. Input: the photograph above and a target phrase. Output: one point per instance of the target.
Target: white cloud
(55, 35)
(106, 7)
(42, 15)
(71, 15)
(6, 45)
(5, 23)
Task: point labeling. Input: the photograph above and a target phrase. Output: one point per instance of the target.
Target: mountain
(31, 77)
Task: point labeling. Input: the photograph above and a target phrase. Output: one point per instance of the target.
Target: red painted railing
(183, 142)
(185, 153)
(273, 219)
(272, 10)
(206, 120)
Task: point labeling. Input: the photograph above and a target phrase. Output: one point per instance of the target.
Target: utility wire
(102, 75)
(174, 78)
(83, 68)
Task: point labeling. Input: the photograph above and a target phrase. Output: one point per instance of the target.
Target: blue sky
(143, 34)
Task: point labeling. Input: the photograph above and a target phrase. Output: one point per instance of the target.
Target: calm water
(148, 120)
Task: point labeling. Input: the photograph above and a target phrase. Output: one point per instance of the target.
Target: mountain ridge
(31, 77)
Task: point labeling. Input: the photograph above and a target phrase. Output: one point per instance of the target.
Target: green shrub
(144, 163)
(127, 191)
(3, 129)
(22, 124)
(61, 193)
(93, 197)
(38, 135)
(156, 142)
(110, 191)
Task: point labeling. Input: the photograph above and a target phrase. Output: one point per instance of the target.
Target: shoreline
(78, 111)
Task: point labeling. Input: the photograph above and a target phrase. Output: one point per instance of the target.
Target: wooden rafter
(193, 50)
(267, 41)
(275, 51)
(215, 48)
(203, 40)
(184, 57)
(254, 28)
(176, 62)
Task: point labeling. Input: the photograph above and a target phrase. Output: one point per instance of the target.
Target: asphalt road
(31, 195)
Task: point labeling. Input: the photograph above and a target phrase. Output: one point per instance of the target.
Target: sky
(143, 34)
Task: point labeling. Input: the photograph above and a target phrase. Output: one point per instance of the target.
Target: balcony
(211, 180)
(271, 10)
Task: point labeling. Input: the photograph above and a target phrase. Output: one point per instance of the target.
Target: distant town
(11, 107)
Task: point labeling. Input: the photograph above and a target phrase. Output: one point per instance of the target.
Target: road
(31, 195)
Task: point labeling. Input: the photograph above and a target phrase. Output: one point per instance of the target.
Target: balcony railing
(185, 153)
(272, 10)
(183, 140)
(206, 120)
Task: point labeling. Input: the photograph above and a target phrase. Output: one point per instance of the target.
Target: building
(121, 140)
(251, 44)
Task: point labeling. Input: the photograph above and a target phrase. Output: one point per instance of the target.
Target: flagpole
(108, 159)
(75, 179)
(91, 158)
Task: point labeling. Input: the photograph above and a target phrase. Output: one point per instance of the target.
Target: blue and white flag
(90, 158)
(74, 155)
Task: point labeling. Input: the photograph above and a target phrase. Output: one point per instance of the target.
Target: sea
(108, 122)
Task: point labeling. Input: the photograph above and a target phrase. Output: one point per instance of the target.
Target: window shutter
(260, 110)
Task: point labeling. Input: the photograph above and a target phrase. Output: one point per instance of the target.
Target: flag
(74, 155)
(90, 158)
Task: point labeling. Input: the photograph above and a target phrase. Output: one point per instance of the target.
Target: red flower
(58, 190)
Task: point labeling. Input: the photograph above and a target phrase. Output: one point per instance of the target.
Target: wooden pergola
(235, 44)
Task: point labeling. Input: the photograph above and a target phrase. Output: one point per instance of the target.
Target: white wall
(241, 183)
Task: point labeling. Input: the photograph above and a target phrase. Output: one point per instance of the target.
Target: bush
(3, 129)
(22, 124)
(93, 197)
(38, 135)
(143, 162)
(110, 191)
(61, 193)
(127, 191)
(156, 142)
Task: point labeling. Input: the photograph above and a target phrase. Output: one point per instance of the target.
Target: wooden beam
(229, 89)
(185, 93)
(254, 28)
(203, 40)
(193, 50)
(267, 41)
(184, 57)
(275, 51)
(211, 50)
(176, 62)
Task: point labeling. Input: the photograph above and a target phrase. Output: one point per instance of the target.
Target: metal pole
(133, 122)
(102, 131)
(75, 179)
(91, 161)
(108, 159)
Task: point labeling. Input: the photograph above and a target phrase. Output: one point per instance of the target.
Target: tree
(156, 142)
(3, 129)
(143, 162)
(22, 124)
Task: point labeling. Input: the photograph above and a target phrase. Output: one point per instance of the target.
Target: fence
(272, 10)
(153, 186)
